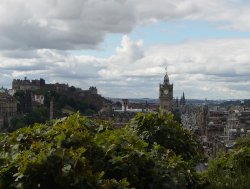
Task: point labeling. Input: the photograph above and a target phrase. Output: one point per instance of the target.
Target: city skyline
(122, 47)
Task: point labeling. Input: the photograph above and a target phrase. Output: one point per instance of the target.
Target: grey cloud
(208, 68)
(25, 68)
(51, 65)
(83, 71)
(83, 24)
(194, 67)
(165, 10)
(63, 24)
(20, 54)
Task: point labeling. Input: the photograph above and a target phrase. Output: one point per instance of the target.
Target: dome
(2, 90)
(211, 123)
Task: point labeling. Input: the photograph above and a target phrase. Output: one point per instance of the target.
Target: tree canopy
(231, 169)
(162, 129)
(76, 152)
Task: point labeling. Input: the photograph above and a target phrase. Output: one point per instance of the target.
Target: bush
(78, 153)
(161, 128)
(232, 169)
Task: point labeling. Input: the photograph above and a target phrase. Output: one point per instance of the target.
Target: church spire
(183, 100)
(166, 78)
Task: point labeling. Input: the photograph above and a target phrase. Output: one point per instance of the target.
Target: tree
(76, 153)
(128, 156)
(53, 157)
(37, 115)
(231, 169)
(162, 129)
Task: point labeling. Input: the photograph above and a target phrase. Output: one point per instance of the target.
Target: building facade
(166, 95)
(8, 109)
(26, 84)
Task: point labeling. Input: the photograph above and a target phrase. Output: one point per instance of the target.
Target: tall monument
(166, 94)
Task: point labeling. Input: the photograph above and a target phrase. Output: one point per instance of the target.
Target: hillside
(64, 104)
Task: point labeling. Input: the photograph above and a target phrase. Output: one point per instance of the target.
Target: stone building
(8, 109)
(216, 122)
(166, 95)
(32, 85)
(120, 113)
(26, 84)
(194, 117)
(93, 90)
(59, 87)
(38, 99)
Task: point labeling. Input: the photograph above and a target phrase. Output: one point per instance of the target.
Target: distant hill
(236, 102)
(65, 102)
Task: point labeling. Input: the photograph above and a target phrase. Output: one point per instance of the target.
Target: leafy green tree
(53, 157)
(37, 115)
(177, 115)
(162, 129)
(128, 156)
(76, 153)
(231, 169)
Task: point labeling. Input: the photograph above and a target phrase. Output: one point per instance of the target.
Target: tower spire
(166, 78)
(183, 98)
(166, 94)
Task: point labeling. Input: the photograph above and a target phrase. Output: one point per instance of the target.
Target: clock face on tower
(166, 95)
(165, 91)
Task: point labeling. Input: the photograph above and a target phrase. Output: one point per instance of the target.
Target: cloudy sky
(123, 46)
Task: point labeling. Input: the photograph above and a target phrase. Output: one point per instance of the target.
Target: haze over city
(122, 47)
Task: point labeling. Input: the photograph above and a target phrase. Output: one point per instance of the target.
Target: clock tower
(166, 95)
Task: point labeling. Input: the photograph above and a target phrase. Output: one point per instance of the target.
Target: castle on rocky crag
(10, 106)
(32, 85)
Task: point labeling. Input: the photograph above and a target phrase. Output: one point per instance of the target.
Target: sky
(123, 46)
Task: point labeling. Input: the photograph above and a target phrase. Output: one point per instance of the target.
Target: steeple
(166, 78)
(177, 102)
(166, 94)
(183, 100)
(3, 90)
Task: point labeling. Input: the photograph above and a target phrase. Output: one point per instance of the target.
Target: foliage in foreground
(80, 153)
(162, 129)
(232, 169)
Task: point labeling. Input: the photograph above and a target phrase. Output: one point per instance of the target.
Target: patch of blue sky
(175, 32)
(243, 2)
(171, 32)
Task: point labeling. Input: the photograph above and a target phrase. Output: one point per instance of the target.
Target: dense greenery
(152, 151)
(37, 115)
(61, 156)
(71, 101)
(162, 129)
(64, 104)
(80, 153)
(231, 169)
